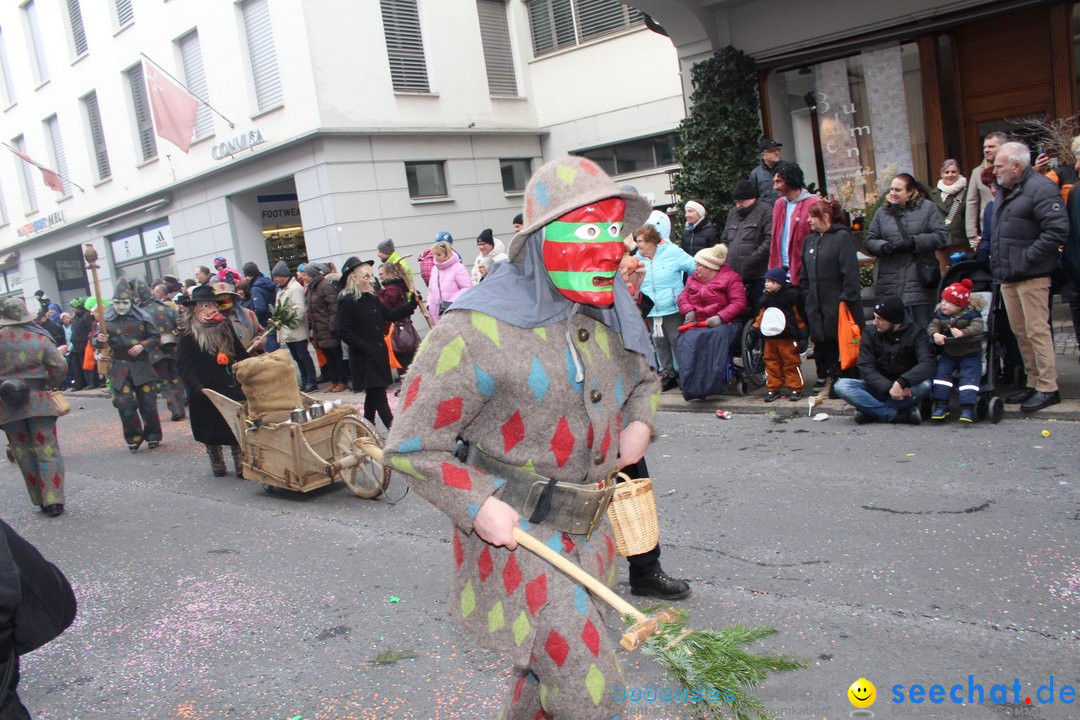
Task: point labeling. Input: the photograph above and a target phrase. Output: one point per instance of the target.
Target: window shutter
(195, 79)
(552, 23)
(264, 66)
(9, 86)
(97, 137)
(600, 17)
(27, 175)
(144, 123)
(124, 12)
(498, 53)
(59, 157)
(41, 67)
(78, 33)
(404, 45)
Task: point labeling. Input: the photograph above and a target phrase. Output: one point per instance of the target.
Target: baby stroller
(988, 404)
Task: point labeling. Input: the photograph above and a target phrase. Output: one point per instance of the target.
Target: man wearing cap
(763, 173)
(747, 234)
(262, 292)
(388, 254)
(488, 246)
(542, 372)
(896, 366)
(134, 339)
(30, 364)
(291, 292)
(790, 220)
(322, 307)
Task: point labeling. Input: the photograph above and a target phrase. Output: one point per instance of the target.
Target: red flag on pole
(52, 180)
(173, 107)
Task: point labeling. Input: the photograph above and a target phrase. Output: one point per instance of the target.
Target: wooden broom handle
(412, 288)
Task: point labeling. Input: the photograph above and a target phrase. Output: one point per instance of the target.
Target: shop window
(144, 252)
(426, 179)
(634, 155)
(515, 174)
(853, 123)
(10, 284)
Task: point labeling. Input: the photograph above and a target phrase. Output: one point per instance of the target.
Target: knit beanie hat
(959, 293)
(776, 274)
(312, 270)
(744, 190)
(386, 246)
(566, 184)
(712, 257)
(280, 270)
(486, 236)
(792, 174)
(250, 269)
(695, 205)
(891, 309)
(518, 219)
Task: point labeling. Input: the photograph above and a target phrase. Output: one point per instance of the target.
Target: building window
(78, 32)
(7, 87)
(124, 12)
(37, 46)
(864, 116)
(404, 45)
(515, 174)
(195, 79)
(10, 283)
(263, 57)
(3, 208)
(498, 53)
(56, 152)
(100, 152)
(144, 123)
(557, 24)
(634, 155)
(144, 252)
(26, 175)
(426, 179)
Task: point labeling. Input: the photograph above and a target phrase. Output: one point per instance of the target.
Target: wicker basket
(632, 513)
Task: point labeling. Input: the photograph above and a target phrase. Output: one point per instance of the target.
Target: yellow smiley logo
(862, 693)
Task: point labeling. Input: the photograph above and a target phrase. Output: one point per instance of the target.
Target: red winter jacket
(800, 228)
(724, 295)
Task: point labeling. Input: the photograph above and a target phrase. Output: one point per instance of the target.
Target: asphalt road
(903, 555)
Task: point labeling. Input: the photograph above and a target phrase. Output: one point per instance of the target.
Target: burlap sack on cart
(269, 383)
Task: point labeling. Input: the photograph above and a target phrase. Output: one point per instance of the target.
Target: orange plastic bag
(394, 363)
(849, 335)
(88, 362)
(320, 356)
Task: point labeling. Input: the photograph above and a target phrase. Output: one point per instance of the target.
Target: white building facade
(333, 126)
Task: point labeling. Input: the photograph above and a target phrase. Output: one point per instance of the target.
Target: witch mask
(582, 250)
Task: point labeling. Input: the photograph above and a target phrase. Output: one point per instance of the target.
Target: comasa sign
(247, 141)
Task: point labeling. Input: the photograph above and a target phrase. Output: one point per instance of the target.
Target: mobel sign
(41, 224)
(247, 141)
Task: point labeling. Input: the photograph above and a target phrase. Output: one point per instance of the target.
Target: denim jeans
(855, 392)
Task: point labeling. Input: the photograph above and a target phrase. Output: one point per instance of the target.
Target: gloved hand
(904, 245)
(714, 321)
(887, 249)
(690, 317)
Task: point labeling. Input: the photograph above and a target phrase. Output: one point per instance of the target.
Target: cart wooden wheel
(366, 478)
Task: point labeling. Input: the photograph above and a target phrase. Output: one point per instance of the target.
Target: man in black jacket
(1029, 227)
(896, 364)
(36, 605)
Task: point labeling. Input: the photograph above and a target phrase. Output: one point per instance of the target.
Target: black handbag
(405, 338)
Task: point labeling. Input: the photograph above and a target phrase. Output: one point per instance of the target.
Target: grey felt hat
(568, 183)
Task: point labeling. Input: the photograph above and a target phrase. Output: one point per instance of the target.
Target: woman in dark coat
(829, 276)
(205, 354)
(923, 232)
(395, 293)
(361, 324)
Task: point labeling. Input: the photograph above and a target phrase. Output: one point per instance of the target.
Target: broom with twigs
(712, 665)
(283, 316)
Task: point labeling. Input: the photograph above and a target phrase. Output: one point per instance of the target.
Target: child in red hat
(957, 329)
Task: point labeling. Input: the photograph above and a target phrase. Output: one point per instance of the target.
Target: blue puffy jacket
(263, 293)
(664, 277)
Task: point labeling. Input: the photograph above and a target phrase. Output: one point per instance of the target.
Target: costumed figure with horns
(164, 316)
(541, 372)
(30, 364)
(135, 342)
(207, 350)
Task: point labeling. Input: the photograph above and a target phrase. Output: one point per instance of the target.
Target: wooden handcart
(305, 456)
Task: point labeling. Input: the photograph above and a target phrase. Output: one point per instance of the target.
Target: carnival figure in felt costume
(135, 342)
(205, 355)
(164, 360)
(541, 371)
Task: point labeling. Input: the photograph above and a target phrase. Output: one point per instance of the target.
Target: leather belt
(573, 508)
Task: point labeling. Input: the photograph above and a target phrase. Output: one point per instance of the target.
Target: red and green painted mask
(582, 250)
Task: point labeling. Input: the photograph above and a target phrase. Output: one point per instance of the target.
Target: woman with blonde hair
(449, 278)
